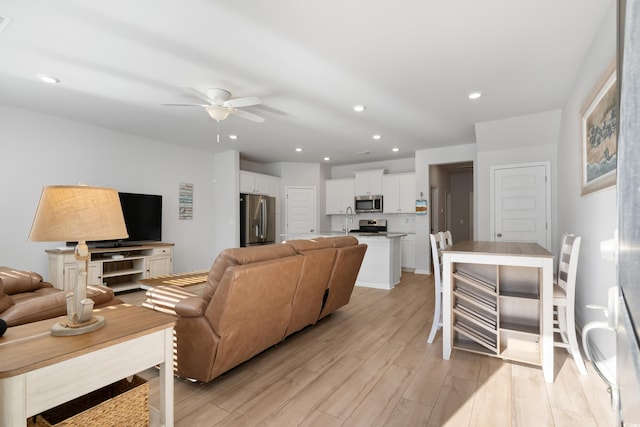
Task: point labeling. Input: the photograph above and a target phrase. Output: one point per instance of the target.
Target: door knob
(499, 234)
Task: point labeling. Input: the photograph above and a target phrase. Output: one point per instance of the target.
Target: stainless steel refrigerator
(257, 220)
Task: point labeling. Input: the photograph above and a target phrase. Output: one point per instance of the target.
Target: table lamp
(80, 214)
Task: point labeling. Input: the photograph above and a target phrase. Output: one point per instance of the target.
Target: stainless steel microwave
(368, 204)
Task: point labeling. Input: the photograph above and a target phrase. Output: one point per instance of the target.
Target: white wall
(389, 166)
(227, 203)
(39, 150)
(593, 216)
(518, 140)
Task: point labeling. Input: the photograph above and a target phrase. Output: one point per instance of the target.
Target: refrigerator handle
(263, 222)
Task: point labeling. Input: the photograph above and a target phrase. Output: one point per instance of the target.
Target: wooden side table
(39, 371)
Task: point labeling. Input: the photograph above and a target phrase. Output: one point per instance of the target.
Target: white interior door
(301, 210)
(521, 211)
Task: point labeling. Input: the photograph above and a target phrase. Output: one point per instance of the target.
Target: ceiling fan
(220, 104)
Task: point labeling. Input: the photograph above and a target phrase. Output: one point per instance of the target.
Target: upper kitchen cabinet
(369, 182)
(257, 183)
(339, 195)
(398, 191)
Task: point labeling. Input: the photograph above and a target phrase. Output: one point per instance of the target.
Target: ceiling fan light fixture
(475, 95)
(377, 136)
(359, 108)
(218, 114)
(234, 137)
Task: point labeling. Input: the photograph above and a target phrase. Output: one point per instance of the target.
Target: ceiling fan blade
(249, 116)
(185, 105)
(242, 102)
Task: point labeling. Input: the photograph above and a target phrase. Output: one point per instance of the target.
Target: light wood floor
(369, 364)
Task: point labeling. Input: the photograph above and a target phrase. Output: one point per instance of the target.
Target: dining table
(497, 300)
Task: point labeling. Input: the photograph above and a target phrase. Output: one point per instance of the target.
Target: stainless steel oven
(368, 204)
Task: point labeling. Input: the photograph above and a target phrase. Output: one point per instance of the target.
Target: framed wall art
(599, 134)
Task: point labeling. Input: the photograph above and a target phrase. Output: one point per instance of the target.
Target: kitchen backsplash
(397, 223)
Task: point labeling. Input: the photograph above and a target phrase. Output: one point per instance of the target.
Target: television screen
(143, 218)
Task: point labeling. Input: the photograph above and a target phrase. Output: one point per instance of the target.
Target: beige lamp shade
(78, 213)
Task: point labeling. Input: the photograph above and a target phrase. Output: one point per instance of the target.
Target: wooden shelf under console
(120, 268)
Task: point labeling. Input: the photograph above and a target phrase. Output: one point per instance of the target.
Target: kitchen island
(381, 266)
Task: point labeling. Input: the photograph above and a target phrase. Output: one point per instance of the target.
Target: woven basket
(123, 403)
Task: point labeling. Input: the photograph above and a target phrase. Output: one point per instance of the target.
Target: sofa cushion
(318, 257)
(17, 281)
(240, 256)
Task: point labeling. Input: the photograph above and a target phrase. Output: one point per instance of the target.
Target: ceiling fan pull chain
(218, 132)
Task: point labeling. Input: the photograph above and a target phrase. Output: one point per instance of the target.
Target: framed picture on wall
(599, 130)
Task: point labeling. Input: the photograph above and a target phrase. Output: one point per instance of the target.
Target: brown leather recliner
(343, 274)
(26, 298)
(253, 298)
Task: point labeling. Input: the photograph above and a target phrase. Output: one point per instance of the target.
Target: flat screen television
(143, 218)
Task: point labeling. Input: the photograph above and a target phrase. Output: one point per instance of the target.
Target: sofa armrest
(5, 302)
(167, 299)
(191, 307)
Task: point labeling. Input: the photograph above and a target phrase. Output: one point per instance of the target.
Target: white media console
(120, 268)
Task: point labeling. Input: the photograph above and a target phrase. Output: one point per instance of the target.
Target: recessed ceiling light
(359, 108)
(48, 79)
(232, 136)
(326, 159)
(395, 149)
(475, 95)
(377, 136)
(298, 149)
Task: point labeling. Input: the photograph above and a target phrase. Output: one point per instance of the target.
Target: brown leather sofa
(254, 298)
(25, 297)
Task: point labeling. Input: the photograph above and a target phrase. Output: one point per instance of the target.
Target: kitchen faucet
(348, 218)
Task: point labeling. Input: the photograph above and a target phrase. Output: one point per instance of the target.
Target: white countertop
(341, 233)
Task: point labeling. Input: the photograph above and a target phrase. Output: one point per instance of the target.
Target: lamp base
(65, 328)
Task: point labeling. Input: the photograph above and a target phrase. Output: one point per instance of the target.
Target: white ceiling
(411, 62)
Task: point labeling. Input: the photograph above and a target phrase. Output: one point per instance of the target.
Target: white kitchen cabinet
(254, 183)
(408, 250)
(368, 182)
(398, 191)
(339, 195)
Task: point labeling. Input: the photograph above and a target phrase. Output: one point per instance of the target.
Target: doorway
(300, 210)
(452, 199)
